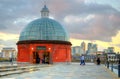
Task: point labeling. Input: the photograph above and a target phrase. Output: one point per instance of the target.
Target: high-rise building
(95, 49)
(89, 47)
(92, 48)
(83, 47)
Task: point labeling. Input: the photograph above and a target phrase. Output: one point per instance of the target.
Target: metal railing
(111, 65)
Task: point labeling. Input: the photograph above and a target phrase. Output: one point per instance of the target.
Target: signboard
(41, 48)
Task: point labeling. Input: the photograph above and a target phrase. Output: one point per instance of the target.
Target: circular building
(44, 40)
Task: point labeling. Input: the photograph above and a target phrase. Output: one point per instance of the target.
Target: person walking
(82, 60)
(37, 58)
(98, 61)
(11, 60)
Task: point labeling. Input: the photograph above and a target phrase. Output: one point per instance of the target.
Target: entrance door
(36, 58)
(46, 57)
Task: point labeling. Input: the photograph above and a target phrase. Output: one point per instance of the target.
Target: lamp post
(11, 59)
(112, 64)
(31, 55)
(118, 67)
(51, 60)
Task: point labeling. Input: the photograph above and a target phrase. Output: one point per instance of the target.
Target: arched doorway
(41, 57)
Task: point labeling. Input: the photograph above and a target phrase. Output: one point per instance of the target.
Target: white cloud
(7, 36)
(51, 17)
(8, 40)
(72, 19)
(23, 20)
(89, 17)
(87, 2)
(78, 19)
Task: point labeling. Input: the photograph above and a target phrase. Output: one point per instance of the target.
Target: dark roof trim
(43, 42)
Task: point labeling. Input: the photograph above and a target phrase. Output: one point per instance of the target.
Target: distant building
(73, 50)
(0, 54)
(99, 52)
(82, 51)
(109, 50)
(105, 50)
(92, 49)
(95, 49)
(76, 50)
(9, 52)
(83, 47)
(111, 56)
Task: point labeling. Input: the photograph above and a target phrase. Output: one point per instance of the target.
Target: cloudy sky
(96, 21)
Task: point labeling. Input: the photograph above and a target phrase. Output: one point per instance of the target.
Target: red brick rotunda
(44, 40)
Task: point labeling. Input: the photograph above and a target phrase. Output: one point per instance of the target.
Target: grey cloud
(102, 27)
(11, 10)
(105, 25)
(62, 9)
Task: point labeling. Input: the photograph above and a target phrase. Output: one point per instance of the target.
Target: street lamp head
(49, 48)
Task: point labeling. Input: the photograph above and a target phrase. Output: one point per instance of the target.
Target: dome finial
(44, 2)
(45, 12)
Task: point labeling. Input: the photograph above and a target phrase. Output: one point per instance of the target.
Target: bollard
(107, 64)
(119, 68)
(112, 67)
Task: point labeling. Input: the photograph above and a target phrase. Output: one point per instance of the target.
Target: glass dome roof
(44, 29)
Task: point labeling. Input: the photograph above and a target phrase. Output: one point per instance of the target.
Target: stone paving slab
(66, 71)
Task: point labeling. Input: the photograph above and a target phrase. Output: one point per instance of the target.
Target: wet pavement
(66, 71)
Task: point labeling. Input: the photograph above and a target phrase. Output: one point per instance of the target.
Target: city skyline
(85, 20)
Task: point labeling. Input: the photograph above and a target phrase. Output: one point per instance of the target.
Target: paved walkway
(65, 71)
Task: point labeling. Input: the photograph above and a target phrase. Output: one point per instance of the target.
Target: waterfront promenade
(66, 71)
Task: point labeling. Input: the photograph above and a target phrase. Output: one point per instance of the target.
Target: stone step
(18, 69)
(8, 66)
